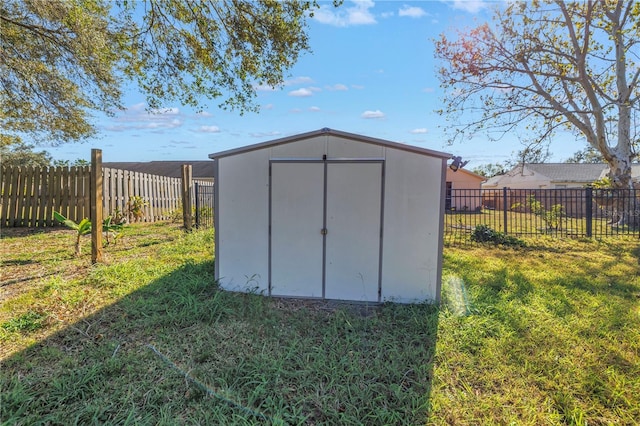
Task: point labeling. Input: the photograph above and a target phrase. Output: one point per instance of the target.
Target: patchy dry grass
(150, 339)
(549, 334)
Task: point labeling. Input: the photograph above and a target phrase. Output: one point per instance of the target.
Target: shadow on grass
(181, 351)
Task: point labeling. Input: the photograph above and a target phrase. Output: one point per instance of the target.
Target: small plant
(111, 229)
(485, 234)
(551, 217)
(118, 217)
(82, 228)
(175, 215)
(604, 183)
(29, 321)
(135, 207)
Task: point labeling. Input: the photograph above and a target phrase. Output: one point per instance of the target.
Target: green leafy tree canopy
(63, 60)
(22, 154)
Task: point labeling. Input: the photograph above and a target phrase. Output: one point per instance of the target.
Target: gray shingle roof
(569, 172)
(200, 169)
(576, 172)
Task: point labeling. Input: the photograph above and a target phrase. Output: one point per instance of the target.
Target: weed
(81, 228)
(27, 322)
(135, 208)
(484, 234)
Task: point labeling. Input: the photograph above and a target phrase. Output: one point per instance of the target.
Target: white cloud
(358, 14)
(377, 114)
(419, 131)
(298, 80)
(209, 129)
(301, 93)
(357, 86)
(204, 114)
(412, 11)
(471, 6)
(264, 134)
(264, 88)
(266, 107)
(136, 117)
(428, 90)
(314, 109)
(337, 87)
(291, 82)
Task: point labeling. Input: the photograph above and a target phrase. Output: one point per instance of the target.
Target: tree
(78, 162)
(550, 65)
(62, 60)
(532, 154)
(21, 154)
(587, 155)
(490, 170)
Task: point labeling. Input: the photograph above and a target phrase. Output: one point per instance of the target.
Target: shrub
(484, 234)
(135, 208)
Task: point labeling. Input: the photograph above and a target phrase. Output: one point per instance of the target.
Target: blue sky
(371, 71)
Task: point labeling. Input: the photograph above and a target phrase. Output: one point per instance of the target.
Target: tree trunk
(626, 203)
(78, 244)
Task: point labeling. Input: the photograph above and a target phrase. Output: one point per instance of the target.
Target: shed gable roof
(330, 132)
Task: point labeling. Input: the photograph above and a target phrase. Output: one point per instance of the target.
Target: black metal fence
(203, 204)
(568, 213)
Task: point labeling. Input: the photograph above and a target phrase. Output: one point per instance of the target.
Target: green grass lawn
(544, 335)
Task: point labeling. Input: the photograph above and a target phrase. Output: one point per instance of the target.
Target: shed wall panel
(306, 148)
(243, 221)
(345, 148)
(412, 226)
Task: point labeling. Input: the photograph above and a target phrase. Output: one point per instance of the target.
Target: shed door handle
(324, 231)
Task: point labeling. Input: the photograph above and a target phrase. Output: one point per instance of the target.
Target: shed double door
(325, 231)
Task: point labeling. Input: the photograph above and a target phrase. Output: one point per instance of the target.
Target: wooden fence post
(186, 195)
(95, 197)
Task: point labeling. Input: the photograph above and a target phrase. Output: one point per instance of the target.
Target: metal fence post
(504, 208)
(197, 195)
(187, 182)
(589, 213)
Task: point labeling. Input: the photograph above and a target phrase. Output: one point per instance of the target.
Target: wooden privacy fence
(30, 195)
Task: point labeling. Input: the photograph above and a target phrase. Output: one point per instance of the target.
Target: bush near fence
(571, 212)
(30, 195)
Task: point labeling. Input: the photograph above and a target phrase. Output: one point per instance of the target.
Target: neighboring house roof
(569, 172)
(476, 176)
(331, 132)
(199, 169)
(492, 181)
(578, 173)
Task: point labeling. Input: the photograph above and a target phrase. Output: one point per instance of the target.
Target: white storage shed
(331, 215)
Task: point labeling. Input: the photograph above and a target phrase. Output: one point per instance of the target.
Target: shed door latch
(324, 231)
